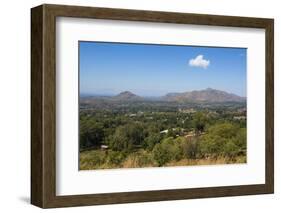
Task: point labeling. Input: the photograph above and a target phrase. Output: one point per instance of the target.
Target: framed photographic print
(137, 106)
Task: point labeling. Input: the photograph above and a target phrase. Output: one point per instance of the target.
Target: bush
(144, 159)
(160, 155)
(92, 159)
(91, 134)
(199, 121)
(115, 158)
(224, 139)
(190, 149)
(166, 151)
(119, 140)
(241, 140)
(231, 149)
(151, 140)
(126, 137)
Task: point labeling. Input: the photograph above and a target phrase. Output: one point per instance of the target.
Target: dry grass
(210, 161)
(97, 159)
(138, 161)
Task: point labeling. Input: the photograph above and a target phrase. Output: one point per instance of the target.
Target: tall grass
(98, 159)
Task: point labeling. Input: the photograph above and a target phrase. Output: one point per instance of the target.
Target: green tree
(166, 151)
(152, 140)
(200, 121)
(119, 140)
(91, 133)
(191, 148)
(160, 154)
(225, 139)
(126, 137)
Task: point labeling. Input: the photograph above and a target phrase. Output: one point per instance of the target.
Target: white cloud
(199, 61)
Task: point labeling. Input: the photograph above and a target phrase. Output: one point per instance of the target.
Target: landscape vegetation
(194, 128)
(161, 105)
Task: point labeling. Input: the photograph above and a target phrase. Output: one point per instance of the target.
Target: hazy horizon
(150, 70)
(114, 94)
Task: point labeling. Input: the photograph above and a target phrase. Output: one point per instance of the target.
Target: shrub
(125, 137)
(190, 149)
(91, 134)
(166, 151)
(92, 159)
(224, 139)
(160, 155)
(115, 158)
(230, 149)
(199, 121)
(151, 140)
(144, 159)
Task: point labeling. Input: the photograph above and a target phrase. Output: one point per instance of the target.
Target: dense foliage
(146, 137)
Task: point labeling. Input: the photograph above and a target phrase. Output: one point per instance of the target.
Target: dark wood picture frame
(43, 105)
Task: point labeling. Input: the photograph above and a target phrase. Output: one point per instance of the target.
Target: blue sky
(154, 70)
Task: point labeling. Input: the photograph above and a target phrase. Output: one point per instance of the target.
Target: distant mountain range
(208, 95)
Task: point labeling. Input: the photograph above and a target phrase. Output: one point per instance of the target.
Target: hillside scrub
(172, 139)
